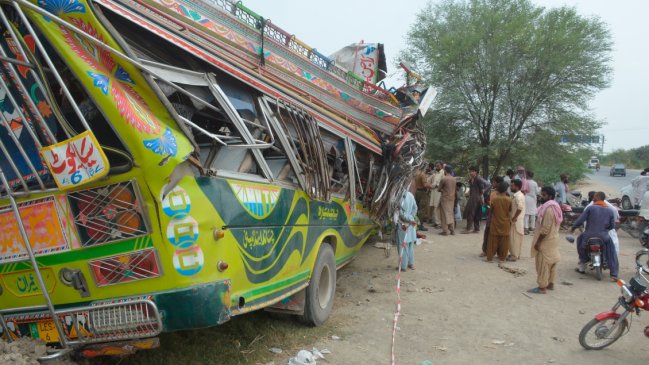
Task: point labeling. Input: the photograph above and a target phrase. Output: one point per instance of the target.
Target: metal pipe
(32, 258)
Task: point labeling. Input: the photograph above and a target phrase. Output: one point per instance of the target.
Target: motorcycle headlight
(626, 293)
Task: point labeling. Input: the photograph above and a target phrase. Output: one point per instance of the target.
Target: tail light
(125, 268)
(108, 213)
(595, 248)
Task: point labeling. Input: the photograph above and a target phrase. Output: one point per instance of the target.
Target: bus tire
(319, 296)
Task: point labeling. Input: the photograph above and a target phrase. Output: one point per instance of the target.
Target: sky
(624, 106)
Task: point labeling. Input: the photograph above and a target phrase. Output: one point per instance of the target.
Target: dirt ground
(457, 309)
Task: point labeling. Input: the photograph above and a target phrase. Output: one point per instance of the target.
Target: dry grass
(243, 340)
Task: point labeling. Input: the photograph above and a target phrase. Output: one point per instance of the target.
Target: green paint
(262, 290)
(88, 253)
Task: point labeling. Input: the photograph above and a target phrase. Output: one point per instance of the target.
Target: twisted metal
(404, 154)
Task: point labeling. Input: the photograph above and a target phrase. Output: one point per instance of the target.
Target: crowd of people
(514, 206)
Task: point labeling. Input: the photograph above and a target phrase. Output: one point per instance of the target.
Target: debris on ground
(566, 282)
(517, 271)
(305, 357)
(335, 338)
(275, 350)
(26, 351)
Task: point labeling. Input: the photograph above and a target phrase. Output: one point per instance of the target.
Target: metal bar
(43, 125)
(5, 328)
(49, 62)
(13, 167)
(283, 139)
(6, 123)
(32, 258)
(36, 77)
(14, 61)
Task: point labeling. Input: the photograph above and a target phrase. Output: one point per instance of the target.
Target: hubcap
(324, 287)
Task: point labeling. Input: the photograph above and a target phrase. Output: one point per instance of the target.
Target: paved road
(615, 183)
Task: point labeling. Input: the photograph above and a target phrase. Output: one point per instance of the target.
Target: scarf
(601, 203)
(558, 215)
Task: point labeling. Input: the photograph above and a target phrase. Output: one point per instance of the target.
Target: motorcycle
(570, 216)
(607, 327)
(595, 253)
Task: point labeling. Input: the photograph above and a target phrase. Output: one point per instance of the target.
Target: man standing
(406, 231)
(530, 203)
(599, 220)
(422, 194)
(562, 189)
(517, 233)
(500, 225)
(447, 201)
(473, 208)
(545, 244)
(435, 196)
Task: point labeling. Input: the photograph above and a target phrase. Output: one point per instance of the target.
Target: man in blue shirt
(599, 220)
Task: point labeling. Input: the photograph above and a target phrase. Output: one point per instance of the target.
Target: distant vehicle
(618, 169)
(633, 193)
(593, 163)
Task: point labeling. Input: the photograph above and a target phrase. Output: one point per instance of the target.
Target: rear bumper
(121, 319)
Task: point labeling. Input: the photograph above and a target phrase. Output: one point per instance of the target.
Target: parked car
(618, 169)
(593, 163)
(633, 193)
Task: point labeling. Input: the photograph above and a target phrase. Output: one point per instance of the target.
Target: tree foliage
(635, 158)
(507, 70)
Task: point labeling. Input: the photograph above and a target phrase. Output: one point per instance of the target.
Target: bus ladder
(65, 348)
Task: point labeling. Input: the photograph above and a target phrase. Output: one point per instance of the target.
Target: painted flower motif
(100, 81)
(61, 7)
(44, 108)
(163, 145)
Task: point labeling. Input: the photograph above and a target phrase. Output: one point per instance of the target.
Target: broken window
(301, 133)
(337, 162)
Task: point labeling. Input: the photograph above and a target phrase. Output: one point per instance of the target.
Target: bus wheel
(319, 298)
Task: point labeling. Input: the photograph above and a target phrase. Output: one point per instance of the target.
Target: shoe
(526, 232)
(550, 286)
(466, 232)
(443, 233)
(452, 233)
(422, 228)
(614, 279)
(580, 271)
(511, 259)
(411, 267)
(476, 231)
(537, 291)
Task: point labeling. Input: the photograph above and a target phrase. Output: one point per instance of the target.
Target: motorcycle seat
(628, 212)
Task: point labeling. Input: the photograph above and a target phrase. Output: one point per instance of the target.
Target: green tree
(507, 69)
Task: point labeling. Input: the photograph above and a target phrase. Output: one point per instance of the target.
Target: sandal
(579, 271)
(536, 290)
(483, 254)
(411, 267)
(550, 286)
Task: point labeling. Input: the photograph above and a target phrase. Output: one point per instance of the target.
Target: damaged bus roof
(251, 49)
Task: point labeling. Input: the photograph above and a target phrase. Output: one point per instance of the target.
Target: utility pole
(601, 150)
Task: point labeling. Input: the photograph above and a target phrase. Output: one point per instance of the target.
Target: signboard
(427, 100)
(360, 58)
(76, 161)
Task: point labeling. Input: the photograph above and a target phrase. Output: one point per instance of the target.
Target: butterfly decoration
(163, 145)
(100, 81)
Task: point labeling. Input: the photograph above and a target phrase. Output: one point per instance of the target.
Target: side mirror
(642, 260)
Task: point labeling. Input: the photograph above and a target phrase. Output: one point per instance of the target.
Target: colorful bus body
(170, 164)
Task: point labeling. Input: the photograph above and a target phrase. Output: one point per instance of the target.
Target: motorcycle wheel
(598, 273)
(595, 334)
(643, 239)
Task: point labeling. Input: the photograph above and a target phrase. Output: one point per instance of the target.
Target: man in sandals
(500, 225)
(545, 244)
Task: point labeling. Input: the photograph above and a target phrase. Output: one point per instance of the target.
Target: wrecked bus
(169, 164)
